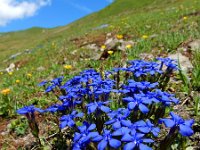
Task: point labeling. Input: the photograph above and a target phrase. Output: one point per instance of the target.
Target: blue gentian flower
(29, 109)
(68, 120)
(184, 126)
(43, 83)
(136, 140)
(92, 107)
(146, 127)
(118, 118)
(56, 107)
(134, 87)
(140, 67)
(139, 101)
(54, 83)
(85, 134)
(106, 139)
(121, 131)
(163, 97)
(169, 63)
(57, 81)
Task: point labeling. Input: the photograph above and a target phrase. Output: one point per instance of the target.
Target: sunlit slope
(137, 13)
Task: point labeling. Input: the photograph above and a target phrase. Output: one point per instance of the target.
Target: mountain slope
(156, 27)
(133, 10)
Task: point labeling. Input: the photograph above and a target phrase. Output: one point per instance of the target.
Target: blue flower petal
(144, 129)
(97, 138)
(114, 143)
(155, 131)
(189, 122)
(105, 109)
(143, 108)
(63, 124)
(102, 145)
(91, 127)
(92, 108)
(126, 123)
(80, 115)
(82, 128)
(144, 147)
(185, 130)
(128, 99)
(77, 136)
(71, 123)
(131, 105)
(110, 122)
(127, 138)
(175, 117)
(147, 140)
(168, 122)
(93, 134)
(116, 125)
(129, 146)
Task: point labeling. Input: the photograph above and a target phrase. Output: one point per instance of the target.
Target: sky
(22, 14)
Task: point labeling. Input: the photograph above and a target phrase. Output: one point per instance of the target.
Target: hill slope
(132, 11)
(155, 27)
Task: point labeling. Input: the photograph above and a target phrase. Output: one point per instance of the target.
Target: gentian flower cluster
(103, 112)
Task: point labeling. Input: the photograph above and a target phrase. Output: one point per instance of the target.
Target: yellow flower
(145, 36)
(103, 47)
(68, 66)
(17, 81)
(1, 73)
(128, 46)
(110, 52)
(86, 59)
(10, 73)
(119, 36)
(5, 91)
(29, 75)
(185, 18)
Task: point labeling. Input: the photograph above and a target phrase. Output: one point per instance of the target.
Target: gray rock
(10, 68)
(14, 55)
(92, 47)
(28, 51)
(123, 45)
(194, 45)
(97, 56)
(41, 68)
(74, 52)
(101, 26)
(111, 43)
(146, 56)
(184, 61)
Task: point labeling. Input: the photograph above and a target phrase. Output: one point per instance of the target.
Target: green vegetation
(156, 26)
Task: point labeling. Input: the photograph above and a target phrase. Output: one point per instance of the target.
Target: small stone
(194, 45)
(11, 67)
(41, 68)
(184, 61)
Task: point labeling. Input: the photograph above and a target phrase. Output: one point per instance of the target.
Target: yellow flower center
(17, 81)
(185, 18)
(68, 66)
(128, 46)
(5, 91)
(110, 52)
(145, 36)
(10, 73)
(119, 36)
(29, 75)
(103, 47)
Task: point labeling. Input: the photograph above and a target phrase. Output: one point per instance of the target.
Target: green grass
(51, 48)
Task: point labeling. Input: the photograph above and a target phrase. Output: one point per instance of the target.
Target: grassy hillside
(138, 15)
(156, 27)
